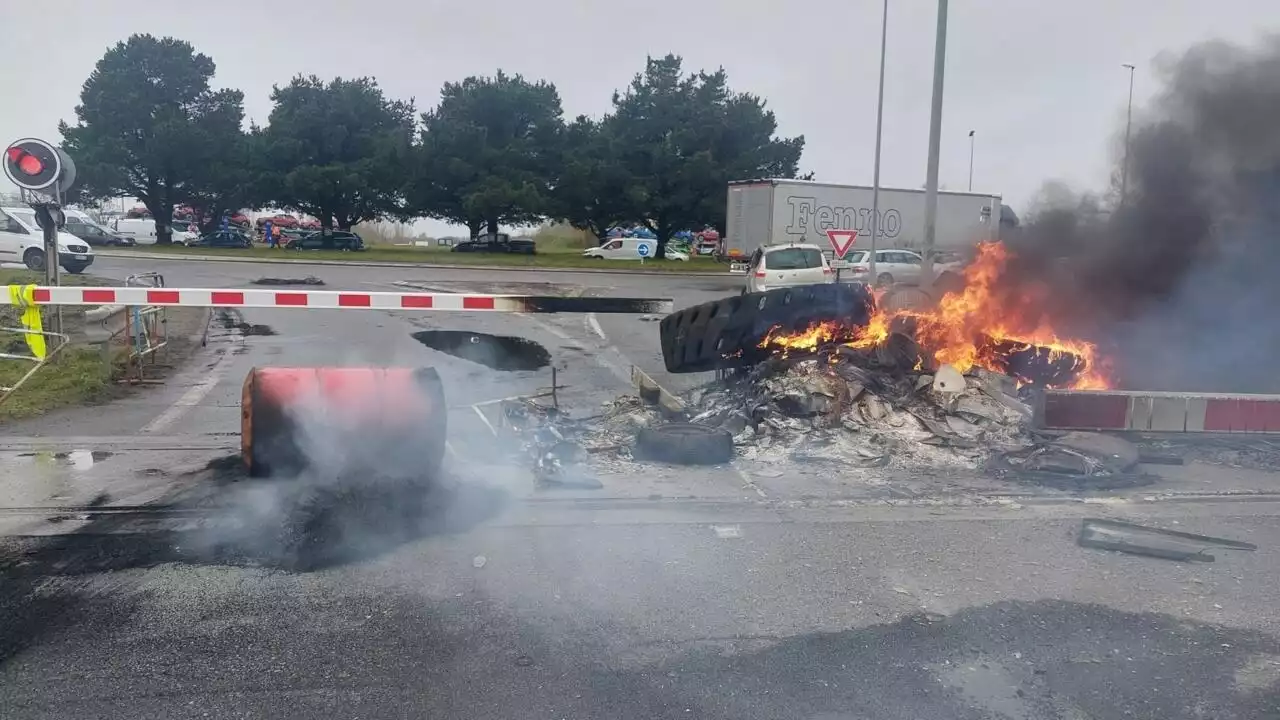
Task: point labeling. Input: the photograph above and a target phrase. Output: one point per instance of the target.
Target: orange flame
(977, 326)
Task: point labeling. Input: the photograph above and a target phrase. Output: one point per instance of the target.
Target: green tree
(337, 151)
(149, 126)
(594, 190)
(686, 137)
(489, 152)
(228, 185)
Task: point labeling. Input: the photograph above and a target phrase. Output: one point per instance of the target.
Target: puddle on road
(76, 459)
(499, 352)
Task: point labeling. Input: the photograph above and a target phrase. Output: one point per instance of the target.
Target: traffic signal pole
(43, 172)
(48, 217)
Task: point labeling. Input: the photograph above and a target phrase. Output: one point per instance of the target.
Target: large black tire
(685, 444)
(725, 333)
(34, 259)
(948, 281)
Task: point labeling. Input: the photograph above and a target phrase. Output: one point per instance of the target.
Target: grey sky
(1039, 81)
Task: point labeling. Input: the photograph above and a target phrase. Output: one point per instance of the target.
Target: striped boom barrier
(339, 299)
(1142, 411)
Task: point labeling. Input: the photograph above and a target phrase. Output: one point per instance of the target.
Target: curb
(102, 312)
(386, 264)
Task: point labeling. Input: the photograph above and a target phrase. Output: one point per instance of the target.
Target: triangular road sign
(841, 240)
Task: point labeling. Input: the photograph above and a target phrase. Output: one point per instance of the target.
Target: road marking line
(192, 397)
(594, 326)
(485, 420)
(748, 482)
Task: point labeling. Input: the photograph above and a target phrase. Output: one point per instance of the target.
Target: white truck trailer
(776, 211)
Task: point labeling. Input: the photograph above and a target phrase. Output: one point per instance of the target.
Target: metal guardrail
(145, 332)
(36, 362)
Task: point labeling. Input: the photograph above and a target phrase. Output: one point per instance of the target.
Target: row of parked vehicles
(792, 264)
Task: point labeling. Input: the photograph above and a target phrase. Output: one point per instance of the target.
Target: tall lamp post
(1128, 128)
(935, 144)
(875, 183)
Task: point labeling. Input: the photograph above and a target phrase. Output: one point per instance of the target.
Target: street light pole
(1128, 128)
(971, 160)
(935, 145)
(875, 183)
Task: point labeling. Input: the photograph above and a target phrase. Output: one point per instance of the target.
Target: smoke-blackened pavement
(958, 617)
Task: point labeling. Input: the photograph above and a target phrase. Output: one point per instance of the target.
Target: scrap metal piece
(1137, 539)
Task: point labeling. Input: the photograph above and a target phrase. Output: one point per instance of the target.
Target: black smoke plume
(1180, 283)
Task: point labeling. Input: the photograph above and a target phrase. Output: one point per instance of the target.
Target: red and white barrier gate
(333, 299)
(1157, 411)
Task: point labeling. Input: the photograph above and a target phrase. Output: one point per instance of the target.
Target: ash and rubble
(858, 409)
(841, 407)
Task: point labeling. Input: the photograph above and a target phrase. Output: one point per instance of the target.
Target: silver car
(892, 266)
(776, 266)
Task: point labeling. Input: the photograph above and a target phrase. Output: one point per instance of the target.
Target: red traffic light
(25, 161)
(36, 165)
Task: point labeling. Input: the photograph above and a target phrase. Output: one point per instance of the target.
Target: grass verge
(438, 257)
(77, 375)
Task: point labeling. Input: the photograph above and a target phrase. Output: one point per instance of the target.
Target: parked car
(895, 265)
(282, 221)
(21, 240)
(233, 238)
(629, 249)
(336, 240)
(95, 234)
(775, 266)
(499, 243)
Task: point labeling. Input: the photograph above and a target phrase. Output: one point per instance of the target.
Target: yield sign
(841, 240)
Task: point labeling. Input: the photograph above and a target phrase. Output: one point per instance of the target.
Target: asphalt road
(666, 593)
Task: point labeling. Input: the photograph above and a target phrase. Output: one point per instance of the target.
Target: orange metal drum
(380, 412)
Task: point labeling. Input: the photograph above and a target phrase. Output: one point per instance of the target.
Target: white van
(21, 241)
(143, 231)
(629, 249)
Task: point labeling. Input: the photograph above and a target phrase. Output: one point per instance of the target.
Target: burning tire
(726, 333)
(685, 444)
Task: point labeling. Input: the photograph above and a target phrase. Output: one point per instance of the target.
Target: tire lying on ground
(725, 333)
(685, 444)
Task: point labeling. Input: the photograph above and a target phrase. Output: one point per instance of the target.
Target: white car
(892, 266)
(22, 241)
(775, 266)
(629, 249)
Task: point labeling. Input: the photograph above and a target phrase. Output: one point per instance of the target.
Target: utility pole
(1128, 128)
(935, 145)
(875, 183)
(971, 160)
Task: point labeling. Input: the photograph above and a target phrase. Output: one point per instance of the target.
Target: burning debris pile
(865, 408)
(989, 323)
(942, 386)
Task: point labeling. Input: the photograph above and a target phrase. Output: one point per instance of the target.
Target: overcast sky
(1040, 82)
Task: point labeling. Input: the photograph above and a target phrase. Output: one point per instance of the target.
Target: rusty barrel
(294, 417)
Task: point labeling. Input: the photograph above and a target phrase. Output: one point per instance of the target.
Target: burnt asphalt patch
(498, 352)
(231, 319)
(405, 655)
(308, 280)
